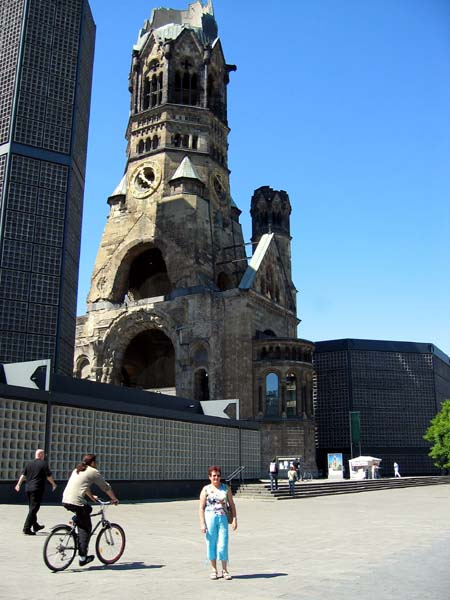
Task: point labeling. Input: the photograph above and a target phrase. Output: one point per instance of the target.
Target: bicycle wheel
(110, 544)
(60, 548)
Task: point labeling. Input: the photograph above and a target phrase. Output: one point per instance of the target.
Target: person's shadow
(123, 566)
(260, 576)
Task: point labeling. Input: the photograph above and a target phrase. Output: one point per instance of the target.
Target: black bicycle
(61, 545)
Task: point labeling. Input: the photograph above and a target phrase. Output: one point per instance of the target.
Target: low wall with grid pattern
(130, 447)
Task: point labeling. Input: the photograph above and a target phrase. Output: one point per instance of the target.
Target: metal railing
(236, 473)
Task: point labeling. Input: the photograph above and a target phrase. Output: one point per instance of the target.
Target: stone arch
(126, 338)
(134, 261)
(199, 360)
(269, 333)
(149, 361)
(82, 367)
(148, 275)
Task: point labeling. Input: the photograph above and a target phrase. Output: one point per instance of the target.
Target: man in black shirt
(36, 473)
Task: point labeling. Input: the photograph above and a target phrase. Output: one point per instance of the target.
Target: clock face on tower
(145, 179)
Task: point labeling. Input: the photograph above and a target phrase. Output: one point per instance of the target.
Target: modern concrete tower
(46, 57)
(174, 305)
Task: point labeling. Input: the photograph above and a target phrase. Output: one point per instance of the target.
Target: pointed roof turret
(185, 171)
(121, 189)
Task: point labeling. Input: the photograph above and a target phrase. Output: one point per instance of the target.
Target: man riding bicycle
(74, 499)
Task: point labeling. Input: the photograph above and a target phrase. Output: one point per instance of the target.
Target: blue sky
(345, 105)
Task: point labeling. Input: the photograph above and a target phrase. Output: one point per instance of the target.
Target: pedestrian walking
(396, 470)
(35, 474)
(273, 474)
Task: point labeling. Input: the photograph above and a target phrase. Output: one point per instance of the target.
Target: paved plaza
(383, 545)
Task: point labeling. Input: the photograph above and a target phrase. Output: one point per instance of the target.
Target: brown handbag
(229, 514)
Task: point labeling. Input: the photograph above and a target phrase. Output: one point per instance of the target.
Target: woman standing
(292, 477)
(214, 499)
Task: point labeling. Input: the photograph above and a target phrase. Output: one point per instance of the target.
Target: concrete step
(260, 490)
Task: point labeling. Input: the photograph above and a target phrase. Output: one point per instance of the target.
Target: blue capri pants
(216, 536)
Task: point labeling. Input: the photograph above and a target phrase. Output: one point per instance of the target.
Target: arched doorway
(201, 385)
(83, 368)
(149, 362)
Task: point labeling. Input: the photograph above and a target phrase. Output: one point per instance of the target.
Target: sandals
(225, 575)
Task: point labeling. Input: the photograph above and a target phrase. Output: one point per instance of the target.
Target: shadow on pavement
(260, 576)
(120, 567)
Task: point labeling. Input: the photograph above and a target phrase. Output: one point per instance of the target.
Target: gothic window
(140, 147)
(146, 102)
(291, 395)
(153, 84)
(194, 142)
(272, 395)
(156, 90)
(201, 356)
(269, 333)
(176, 140)
(269, 283)
(155, 142)
(160, 87)
(148, 144)
(185, 141)
(214, 101)
(186, 85)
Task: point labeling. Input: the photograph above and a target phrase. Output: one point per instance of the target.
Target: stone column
(298, 396)
(283, 396)
(165, 90)
(260, 411)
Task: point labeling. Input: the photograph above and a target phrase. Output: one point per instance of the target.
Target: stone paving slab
(377, 546)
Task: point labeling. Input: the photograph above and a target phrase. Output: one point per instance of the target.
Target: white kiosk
(364, 467)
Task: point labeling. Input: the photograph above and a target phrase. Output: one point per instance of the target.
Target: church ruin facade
(175, 305)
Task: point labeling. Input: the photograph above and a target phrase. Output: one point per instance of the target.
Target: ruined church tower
(174, 305)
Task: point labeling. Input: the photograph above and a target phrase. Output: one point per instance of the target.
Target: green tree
(438, 433)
